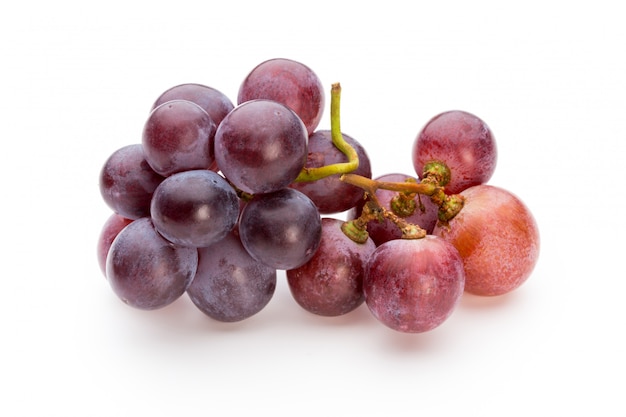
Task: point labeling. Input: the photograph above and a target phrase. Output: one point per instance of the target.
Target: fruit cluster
(218, 197)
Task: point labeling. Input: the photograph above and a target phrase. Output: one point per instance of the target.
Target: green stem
(314, 174)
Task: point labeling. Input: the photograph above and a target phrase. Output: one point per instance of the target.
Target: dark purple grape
(111, 228)
(330, 194)
(214, 102)
(261, 146)
(178, 136)
(425, 214)
(230, 285)
(331, 282)
(194, 208)
(127, 182)
(463, 142)
(145, 270)
(414, 285)
(289, 82)
(281, 229)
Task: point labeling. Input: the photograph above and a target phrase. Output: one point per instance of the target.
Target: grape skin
(414, 285)
(145, 270)
(463, 142)
(261, 146)
(178, 136)
(281, 229)
(331, 282)
(127, 182)
(497, 237)
(330, 194)
(230, 285)
(288, 82)
(194, 208)
(213, 101)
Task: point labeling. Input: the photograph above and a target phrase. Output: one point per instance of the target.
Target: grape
(111, 228)
(145, 270)
(229, 284)
(331, 282)
(194, 208)
(497, 237)
(178, 136)
(290, 83)
(330, 194)
(261, 146)
(414, 285)
(214, 102)
(381, 232)
(281, 229)
(463, 142)
(127, 182)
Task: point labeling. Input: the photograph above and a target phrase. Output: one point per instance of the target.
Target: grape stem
(314, 174)
(435, 176)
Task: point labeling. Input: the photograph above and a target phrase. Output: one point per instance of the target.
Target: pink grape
(288, 82)
(145, 270)
(331, 282)
(497, 237)
(178, 136)
(261, 146)
(463, 142)
(414, 285)
(330, 194)
(230, 285)
(127, 182)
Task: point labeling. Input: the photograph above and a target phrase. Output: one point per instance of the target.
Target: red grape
(497, 237)
(290, 83)
(463, 142)
(330, 194)
(414, 285)
(229, 284)
(261, 146)
(111, 228)
(194, 208)
(145, 270)
(281, 229)
(178, 136)
(127, 182)
(331, 282)
(214, 102)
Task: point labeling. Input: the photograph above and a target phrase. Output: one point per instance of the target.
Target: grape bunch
(216, 198)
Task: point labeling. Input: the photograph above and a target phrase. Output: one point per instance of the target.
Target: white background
(77, 81)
